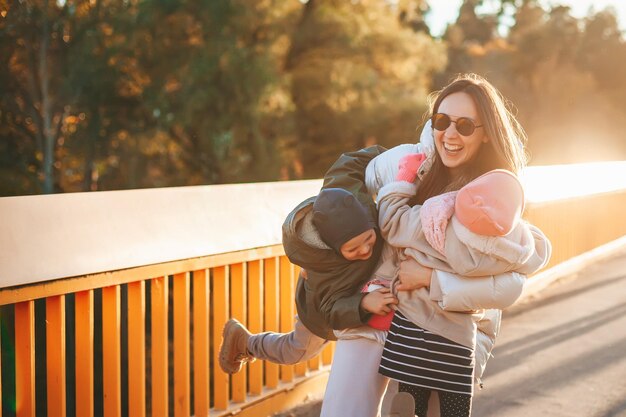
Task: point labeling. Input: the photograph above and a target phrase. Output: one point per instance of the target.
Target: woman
(473, 134)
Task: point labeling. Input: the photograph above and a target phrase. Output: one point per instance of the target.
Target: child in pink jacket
(490, 205)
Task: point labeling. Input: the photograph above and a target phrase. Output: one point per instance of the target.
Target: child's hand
(434, 214)
(413, 275)
(380, 302)
(409, 165)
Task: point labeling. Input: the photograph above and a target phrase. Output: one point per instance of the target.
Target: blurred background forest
(110, 94)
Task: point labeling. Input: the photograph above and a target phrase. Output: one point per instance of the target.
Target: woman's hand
(413, 275)
(380, 302)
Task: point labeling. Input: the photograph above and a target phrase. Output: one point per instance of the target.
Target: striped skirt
(418, 357)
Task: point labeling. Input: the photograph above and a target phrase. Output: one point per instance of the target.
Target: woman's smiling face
(454, 149)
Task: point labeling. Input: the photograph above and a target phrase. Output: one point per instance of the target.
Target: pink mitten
(409, 165)
(434, 214)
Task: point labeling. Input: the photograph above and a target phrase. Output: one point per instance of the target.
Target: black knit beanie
(339, 216)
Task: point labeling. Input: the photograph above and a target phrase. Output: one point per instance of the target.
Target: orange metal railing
(143, 341)
(172, 356)
(577, 225)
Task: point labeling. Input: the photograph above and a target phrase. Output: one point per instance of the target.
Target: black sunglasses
(464, 125)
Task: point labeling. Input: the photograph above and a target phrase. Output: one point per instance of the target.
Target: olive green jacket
(329, 297)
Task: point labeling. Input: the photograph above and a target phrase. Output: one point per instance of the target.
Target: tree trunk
(48, 134)
(89, 182)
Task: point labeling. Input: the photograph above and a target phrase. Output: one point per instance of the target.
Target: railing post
(84, 341)
(55, 354)
(1, 366)
(182, 387)
(201, 307)
(25, 359)
(159, 296)
(136, 349)
(255, 319)
(271, 314)
(111, 356)
(238, 296)
(286, 309)
(220, 315)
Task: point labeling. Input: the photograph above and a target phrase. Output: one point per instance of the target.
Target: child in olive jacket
(334, 238)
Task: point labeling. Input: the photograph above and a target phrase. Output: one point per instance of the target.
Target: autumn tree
(32, 114)
(210, 66)
(412, 14)
(358, 77)
(561, 96)
(109, 95)
(60, 96)
(100, 95)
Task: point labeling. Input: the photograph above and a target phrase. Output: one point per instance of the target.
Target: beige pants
(355, 388)
(286, 348)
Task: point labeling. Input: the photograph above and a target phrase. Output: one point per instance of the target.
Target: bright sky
(446, 11)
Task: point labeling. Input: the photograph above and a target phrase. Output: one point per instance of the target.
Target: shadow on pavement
(510, 354)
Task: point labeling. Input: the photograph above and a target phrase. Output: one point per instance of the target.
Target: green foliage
(140, 94)
(100, 94)
(359, 77)
(564, 75)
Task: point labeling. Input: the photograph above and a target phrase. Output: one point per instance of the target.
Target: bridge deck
(564, 352)
(561, 353)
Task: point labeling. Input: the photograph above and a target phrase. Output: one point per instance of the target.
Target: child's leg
(286, 348)
(420, 395)
(455, 405)
(355, 388)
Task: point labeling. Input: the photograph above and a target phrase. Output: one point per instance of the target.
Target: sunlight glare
(555, 182)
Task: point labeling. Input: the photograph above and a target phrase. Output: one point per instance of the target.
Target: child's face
(359, 247)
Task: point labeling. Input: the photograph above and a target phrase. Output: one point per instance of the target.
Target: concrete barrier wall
(48, 237)
(579, 224)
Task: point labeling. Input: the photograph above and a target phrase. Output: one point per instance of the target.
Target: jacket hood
(299, 224)
(304, 245)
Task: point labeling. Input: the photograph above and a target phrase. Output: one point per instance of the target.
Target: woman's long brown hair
(505, 148)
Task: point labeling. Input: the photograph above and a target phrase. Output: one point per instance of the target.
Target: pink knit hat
(492, 204)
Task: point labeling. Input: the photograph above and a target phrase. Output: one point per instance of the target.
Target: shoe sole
(402, 405)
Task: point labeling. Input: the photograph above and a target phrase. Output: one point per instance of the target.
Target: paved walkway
(563, 354)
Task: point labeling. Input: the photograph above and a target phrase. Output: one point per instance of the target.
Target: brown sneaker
(234, 349)
(402, 405)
